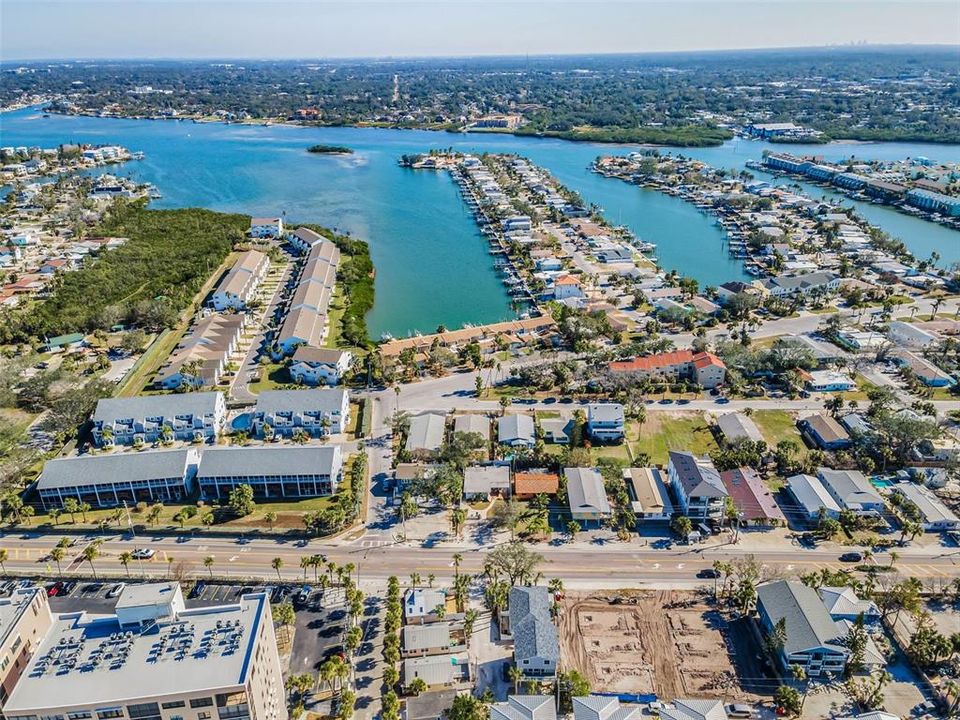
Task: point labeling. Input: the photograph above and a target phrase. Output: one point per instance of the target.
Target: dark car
(851, 557)
(708, 574)
(69, 587)
(197, 590)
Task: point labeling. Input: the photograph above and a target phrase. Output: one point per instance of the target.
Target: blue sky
(42, 29)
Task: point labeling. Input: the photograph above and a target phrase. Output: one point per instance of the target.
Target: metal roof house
(109, 480)
(936, 516)
(525, 707)
(851, 490)
(586, 494)
(813, 640)
(516, 431)
(812, 497)
(426, 434)
(693, 709)
(536, 647)
(649, 496)
(737, 427)
(600, 707)
(436, 670)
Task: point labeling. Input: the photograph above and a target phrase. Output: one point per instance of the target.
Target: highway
(607, 565)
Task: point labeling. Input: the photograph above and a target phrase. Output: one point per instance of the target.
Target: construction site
(665, 643)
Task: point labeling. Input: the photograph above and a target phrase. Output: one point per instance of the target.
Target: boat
(386, 337)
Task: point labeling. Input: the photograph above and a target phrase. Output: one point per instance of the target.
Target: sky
(84, 29)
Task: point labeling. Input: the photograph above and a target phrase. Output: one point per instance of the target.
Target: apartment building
(316, 412)
(697, 485)
(306, 320)
(319, 366)
(705, 369)
(153, 660)
(238, 287)
(202, 356)
(189, 416)
(25, 619)
(272, 472)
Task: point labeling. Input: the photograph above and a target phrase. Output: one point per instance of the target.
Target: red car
(55, 589)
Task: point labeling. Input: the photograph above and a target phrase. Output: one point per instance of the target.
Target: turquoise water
(432, 264)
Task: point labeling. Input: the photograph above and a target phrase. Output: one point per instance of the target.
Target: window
(79, 715)
(203, 715)
(173, 705)
(104, 713)
(144, 711)
(201, 702)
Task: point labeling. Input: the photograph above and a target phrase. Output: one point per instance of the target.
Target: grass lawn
(863, 387)
(777, 425)
(547, 414)
(824, 310)
(619, 452)
(664, 431)
(272, 377)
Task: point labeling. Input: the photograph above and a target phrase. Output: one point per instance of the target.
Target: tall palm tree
(125, 557)
(4, 555)
(57, 554)
(305, 561)
(276, 564)
(90, 553)
(208, 563)
(516, 675)
(457, 559)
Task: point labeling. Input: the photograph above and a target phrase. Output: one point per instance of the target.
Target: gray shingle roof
(525, 707)
(534, 634)
(737, 426)
(426, 432)
(850, 487)
(599, 707)
(698, 478)
(808, 623)
(270, 461)
(196, 404)
(324, 400)
(515, 427)
(694, 710)
(585, 490)
(107, 469)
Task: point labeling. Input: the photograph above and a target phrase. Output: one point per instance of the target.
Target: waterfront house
(303, 239)
(306, 319)
(239, 286)
(566, 286)
(186, 416)
(605, 421)
(813, 640)
(649, 497)
(851, 490)
(319, 366)
(703, 368)
(316, 412)
(482, 482)
(536, 649)
(516, 431)
(266, 227)
(110, 480)
(420, 605)
(586, 495)
(527, 485)
(824, 432)
(737, 427)
(812, 497)
(751, 497)
(426, 434)
(820, 282)
(697, 485)
(524, 707)
(272, 471)
(934, 515)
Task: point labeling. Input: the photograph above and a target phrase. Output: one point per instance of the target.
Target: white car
(116, 590)
(143, 554)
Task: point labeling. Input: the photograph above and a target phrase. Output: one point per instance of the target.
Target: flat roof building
(25, 619)
(221, 658)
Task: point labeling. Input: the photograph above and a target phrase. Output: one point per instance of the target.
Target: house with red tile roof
(704, 368)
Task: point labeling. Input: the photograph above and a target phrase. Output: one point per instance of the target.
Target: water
(432, 264)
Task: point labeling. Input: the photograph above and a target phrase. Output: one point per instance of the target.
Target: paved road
(610, 564)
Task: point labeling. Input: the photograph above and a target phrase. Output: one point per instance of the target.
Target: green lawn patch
(663, 432)
(776, 425)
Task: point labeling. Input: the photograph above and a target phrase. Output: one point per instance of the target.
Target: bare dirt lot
(668, 643)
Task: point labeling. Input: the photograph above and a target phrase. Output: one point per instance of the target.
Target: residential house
(705, 369)
(303, 239)
(186, 416)
(266, 227)
(319, 366)
(737, 427)
(751, 497)
(476, 424)
(586, 495)
(420, 605)
(485, 481)
(110, 480)
(556, 431)
(924, 370)
(524, 707)
(648, 492)
(315, 412)
(605, 421)
(239, 286)
(439, 638)
(536, 649)
(516, 431)
(909, 335)
(812, 497)
(406, 473)
(813, 641)
(527, 485)
(933, 513)
(693, 709)
(272, 471)
(436, 670)
(426, 434)
(433, 705)
(64, 342)
(697, 485)
(566, 286)
(843, 603)
(828, 381)
(603, 707)
(851, 490)
(306, 320)
(820, 282)
(203, 355)
(824, 432)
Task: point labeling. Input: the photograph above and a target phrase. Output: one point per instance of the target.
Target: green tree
(240, 501)
(277, 564)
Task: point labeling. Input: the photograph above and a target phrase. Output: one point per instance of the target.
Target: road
(599, 565)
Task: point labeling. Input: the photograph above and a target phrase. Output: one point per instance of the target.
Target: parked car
(197, 590)
(69, 587)
(708, 574)
(143, 553)
(116, 590)
(304, 594)
(851, 557)
(55, 589)
(739, 710)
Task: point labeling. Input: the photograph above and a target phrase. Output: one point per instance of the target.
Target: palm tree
(457, 559)
(57, 554)
(414, 579)
(84, 508)
(516, 675)
(270, 518)
(4, 555)
(125, 558)
(276, 564)
(208, 563)
(305, 564)
(72, 506)
(55, 514)
(90, 553)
